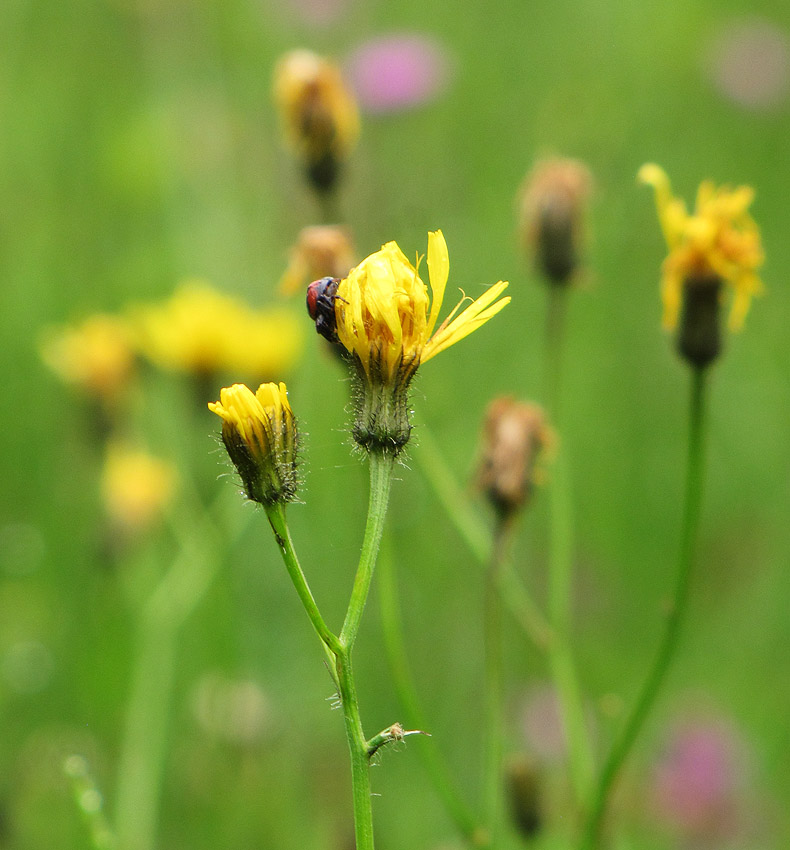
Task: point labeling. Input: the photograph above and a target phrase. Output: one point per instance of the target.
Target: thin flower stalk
(695, 468)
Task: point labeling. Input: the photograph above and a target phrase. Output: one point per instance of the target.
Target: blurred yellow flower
(135, 486)
(719, 240)
(96, 355)
(318, 113)
(204, 332)
(320, 251)
(386, 319)
(259, 433)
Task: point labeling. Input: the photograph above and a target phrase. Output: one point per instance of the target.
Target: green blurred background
(139, 146)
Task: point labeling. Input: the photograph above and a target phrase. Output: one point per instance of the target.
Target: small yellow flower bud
(514, 436)
(319, 114)
(320, 251)
(259, 433)
(553, 202)
(387, 324)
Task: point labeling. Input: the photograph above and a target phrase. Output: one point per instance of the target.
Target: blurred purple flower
(749, 63)
(543, 730)
(697, 782)
(395, 72)
(317, 13)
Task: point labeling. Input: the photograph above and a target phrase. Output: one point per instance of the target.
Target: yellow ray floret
(261, 420)
(719, 240)
(386, 318)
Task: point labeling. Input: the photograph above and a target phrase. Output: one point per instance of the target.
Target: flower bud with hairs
(259, 433)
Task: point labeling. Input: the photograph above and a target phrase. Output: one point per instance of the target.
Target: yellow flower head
(720, 240)
(136, 487)
(320, 251)
(203, 332)
(319, 114)
(386, 319)
(259, 432)
(97, 355)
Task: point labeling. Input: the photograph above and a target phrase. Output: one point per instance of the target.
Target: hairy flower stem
(494, 683)
(695, 467)
(561, 659)
(436, 768)
(381, 464)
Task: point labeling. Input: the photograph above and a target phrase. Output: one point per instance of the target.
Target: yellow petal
(438, 272)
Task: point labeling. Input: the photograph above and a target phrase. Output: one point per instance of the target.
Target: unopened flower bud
(259, 433)
(319, 114)
(320, 251)
(553, 202)
(524, 795)
(514, 436)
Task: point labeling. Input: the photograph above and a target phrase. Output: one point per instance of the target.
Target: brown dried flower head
(515, 434)
(553, 201)
(320, 251)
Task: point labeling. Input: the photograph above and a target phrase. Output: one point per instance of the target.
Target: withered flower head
(514, 436)
(320, 251)
(553, 204)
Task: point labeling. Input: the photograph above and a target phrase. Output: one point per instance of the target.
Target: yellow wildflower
(97, 355)
(387, 322)
(319, 114)
(720, 240)
(386, 319)
(136, 487)
(259, 433)
(204, 332)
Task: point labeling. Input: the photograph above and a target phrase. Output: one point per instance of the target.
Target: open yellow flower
(386, 319)
(259, 432)
(387, 322)
(201, 331)
(720, 240)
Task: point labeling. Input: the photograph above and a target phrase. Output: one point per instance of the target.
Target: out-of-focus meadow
(139, 147)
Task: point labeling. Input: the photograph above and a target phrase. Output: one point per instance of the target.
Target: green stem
(394, 644)
(358, 748)
(141, 764)
(494, 683)
(381, 464)
(690, 528)
(276, 515)
(472, 529)
(563, 668)
(561, 659)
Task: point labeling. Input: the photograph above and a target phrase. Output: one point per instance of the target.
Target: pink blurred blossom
(697, 782)
(749, 64)
(543, 730)
(396, 72)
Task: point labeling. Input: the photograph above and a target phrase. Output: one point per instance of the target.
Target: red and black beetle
(321, 295)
